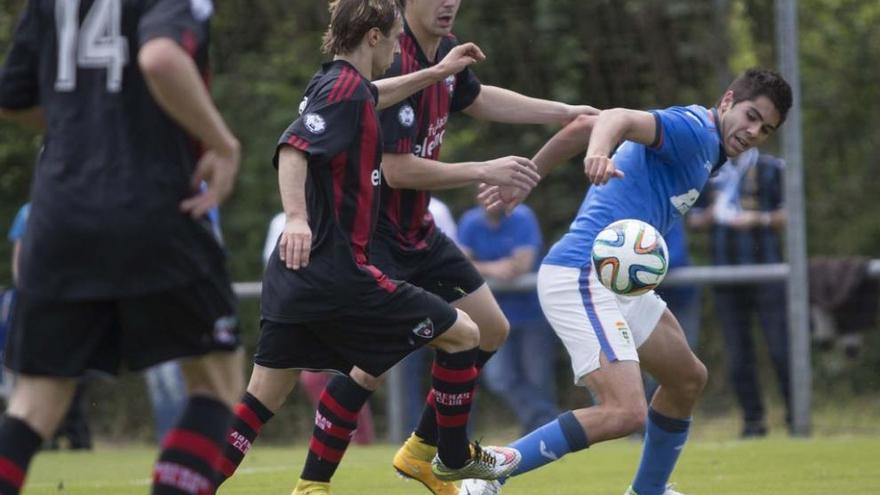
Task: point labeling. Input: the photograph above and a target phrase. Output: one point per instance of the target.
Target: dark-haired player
(325, 305)
(655, 176)
(119, 266)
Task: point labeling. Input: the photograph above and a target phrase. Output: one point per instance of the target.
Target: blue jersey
(661, 181)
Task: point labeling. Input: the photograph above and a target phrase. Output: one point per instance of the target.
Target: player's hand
(295, 244)
(575, 110)
(599, 169)
(514, 171)
(500, 198)
(459, 58)
(218, 169)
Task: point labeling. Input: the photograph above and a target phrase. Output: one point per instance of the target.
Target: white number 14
(98, 44)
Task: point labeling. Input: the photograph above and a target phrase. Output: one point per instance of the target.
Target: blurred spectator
(504, 248)
(682, 300)
(313, 383)
(75, 426)
(747, 213)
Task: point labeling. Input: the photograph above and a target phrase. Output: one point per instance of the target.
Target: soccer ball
(630, 257)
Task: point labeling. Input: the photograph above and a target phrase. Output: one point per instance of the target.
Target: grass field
(840, 465)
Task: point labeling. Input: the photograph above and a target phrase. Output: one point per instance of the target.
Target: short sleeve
(185, 21)
(467, 88)
(399, 127)
(682, 137)
(19, 81)
(323, 130)
(19, 225)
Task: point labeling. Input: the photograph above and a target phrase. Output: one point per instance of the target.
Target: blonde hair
(350, 20)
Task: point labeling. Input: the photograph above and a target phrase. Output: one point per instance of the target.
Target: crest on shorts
(425, 329)
(315, 123)
(623, 329)
(450, 84)
(406, 116)
(225, 330)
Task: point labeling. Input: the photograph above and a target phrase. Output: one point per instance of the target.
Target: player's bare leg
(682, 377)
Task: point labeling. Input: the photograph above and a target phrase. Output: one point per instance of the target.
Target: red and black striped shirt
(338, 130)
(417, 125)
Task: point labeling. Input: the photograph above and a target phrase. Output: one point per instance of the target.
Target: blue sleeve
(19, 225)
(682, 137)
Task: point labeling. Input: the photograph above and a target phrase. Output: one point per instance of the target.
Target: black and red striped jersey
(105, 220)
(338, 130)
(417, 125)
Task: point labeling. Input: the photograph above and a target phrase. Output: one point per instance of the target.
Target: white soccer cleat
(669, 491)
(486, 463)
(479, 487)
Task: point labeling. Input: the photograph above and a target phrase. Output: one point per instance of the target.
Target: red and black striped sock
(250, 416)
(18, 444)
(454, 377)
(427, 427)
(191, 452)
(335, 422)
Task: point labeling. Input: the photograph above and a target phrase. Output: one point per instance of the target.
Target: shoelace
(482, 456)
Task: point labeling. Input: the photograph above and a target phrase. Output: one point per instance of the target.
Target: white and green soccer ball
(630, 257)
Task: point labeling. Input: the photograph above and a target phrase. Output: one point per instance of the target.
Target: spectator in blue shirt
(747, 212)
(521, 373)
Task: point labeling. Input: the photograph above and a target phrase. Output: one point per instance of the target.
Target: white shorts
(590, 319)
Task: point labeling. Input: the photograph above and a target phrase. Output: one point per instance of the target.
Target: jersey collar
(722, 155)
(420, 55)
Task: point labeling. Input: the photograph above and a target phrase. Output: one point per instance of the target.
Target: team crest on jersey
(302, 104)
(201, 9)
(450, 84)
(425, 329)
(406, 116)
(315, 123)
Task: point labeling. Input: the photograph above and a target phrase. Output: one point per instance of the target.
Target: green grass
(840, 465)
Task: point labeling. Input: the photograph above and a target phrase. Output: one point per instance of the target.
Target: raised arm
(505, 106)
(176, 84)
(395, 89)
(408, 171)
(295, 244)
(613, 127)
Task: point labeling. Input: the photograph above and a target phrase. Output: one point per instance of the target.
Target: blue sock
(550, 442)
(664, 439)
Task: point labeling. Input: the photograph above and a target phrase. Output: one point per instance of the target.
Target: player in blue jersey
(655, 175)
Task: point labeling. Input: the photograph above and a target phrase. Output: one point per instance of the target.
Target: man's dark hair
(763, 82)
(350, 20)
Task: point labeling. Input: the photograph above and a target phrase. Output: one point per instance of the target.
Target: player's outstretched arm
(177, 87)
(569, 142)
(502, 105)
(295, 244)
(408, 171)
(395, 89)
(611, 128)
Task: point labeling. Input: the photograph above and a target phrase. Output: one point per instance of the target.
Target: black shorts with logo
(62, 338)
(374, 331)
(441, 269)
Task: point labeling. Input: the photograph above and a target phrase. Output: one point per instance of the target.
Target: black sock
(453, 377)
(192, 451)
(18, 444)
(427, 427)
(335, 423)
(250, 416)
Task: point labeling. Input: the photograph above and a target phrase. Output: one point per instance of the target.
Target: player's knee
(366, 380)
(462, 336)
(494, 334)
(217, 375)
(693, 381)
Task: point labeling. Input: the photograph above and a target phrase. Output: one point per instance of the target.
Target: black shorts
(441, 269)
(65, 338)
(373, 332)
